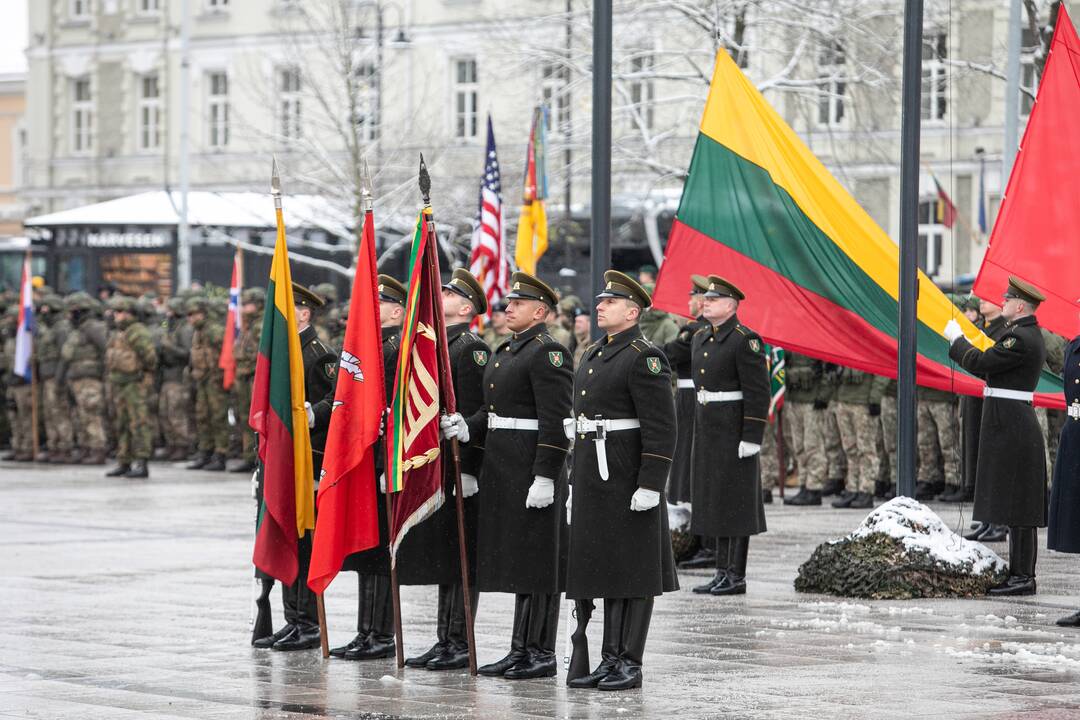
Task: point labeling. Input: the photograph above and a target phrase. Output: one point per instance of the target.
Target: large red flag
(422, 388)
(347, 521)
(1037, 232)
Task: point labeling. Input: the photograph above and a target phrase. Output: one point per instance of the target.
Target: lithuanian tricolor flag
(278, 415)
(821, 277)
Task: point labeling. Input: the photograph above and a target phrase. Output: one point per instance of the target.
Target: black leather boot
(995, 533)
(380, 642)
(722, 559)
(704, 558)
(614, 609)
(735, 580)
(635, 629)
(138, 470)
(977, 531)
(265, 643)
(119, 471)
(539, 660)
(517, 640)
(1070, 620)
(1023, 550)
(442, 629)
(300, 608)
(804, 497)
(456, 654)
(363, 617)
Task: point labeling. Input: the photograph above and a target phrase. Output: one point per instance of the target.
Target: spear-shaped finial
(275, 185)
(365, 185)
(425, 182)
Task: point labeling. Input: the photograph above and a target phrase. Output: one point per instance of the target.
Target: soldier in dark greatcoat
(624, 431)
(429, 555)
(375, 610)
(1010, 487)
(1063, 534)
(732, 381)
(527, 387)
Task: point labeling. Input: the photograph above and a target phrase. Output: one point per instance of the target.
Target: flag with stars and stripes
(487, 259)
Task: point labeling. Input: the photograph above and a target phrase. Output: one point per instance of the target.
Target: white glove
(382, 483)
(382, 422)
(953, 331)
(748, 449)
(644, 499)
(469, 486)
(310, 414)
(454, 426)
(569, 502)
(541, 493)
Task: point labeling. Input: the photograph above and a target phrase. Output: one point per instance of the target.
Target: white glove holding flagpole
(747, 449)
(952, 331)
(454, 426)
(310, 414)
(469, 485)
(644, 499)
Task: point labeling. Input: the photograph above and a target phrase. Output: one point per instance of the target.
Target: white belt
(1004, 394)
(705, 397)
(601, 428)
(684, 384)
(507, 423)
(1074, 411)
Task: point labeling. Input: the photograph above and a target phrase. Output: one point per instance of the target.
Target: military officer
(527, 387)
(1063, 533)
(252, 304)
(1011, 484)
(625, 436)
(130, 361)
(375, 611)
(732, 382)
(429, 554)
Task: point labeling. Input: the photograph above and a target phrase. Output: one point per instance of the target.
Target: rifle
(579, 659)
(262, 621)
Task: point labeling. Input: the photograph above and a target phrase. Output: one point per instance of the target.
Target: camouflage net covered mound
(901, 550)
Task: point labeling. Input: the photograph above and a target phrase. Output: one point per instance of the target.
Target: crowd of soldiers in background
(139, 379)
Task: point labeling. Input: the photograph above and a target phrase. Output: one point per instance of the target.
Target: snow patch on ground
(1060, 657)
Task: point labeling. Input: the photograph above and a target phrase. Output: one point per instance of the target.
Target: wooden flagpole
(463, 557)
(324, 639)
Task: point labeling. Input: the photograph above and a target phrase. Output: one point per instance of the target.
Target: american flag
(487, 260)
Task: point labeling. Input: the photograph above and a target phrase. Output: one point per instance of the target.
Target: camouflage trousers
(770, 454)
(834, 448)
(242, 405)
(1042, 415)
(134, 431)
(59, 431)
(859, 436)
(939, 443)
(20, 412)
(888, 431)
(89, 394)
(212, 416)
(174, 413)
(807, 442)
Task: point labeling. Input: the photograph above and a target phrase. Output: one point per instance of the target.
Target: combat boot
(215, 464)
(804, 498)
(862, 501)
(23, 456)
(832, 487)
(59, 458)
(119, 471)
(199, 461)
(995, 533)
(240, 466)
(138, 470)
(94, 457)
(845, 500)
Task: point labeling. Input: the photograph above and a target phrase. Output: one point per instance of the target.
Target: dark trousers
(298, 599)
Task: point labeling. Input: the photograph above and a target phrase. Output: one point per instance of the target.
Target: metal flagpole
(909, 245)
(1012, 93)
(600, 259)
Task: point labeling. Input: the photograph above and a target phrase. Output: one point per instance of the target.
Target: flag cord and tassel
(463, 558)
(395, 591)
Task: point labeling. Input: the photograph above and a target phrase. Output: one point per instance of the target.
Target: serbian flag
(24, 335)
(227, 361)
(422, 390)
(821, 278)
(347, 520)
(532, 239)
(1036, 234)
(278, 415)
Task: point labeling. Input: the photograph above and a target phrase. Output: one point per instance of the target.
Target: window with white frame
(466, 99)
(217, 110)
(1030, 44)
(367, 111)
(934, 80)
(82, 117)
(832, 62)
(148, 7)
(555, 89)
(149, 112)
(642, 89)
(931, 237)
(79, 9)
(289, 103)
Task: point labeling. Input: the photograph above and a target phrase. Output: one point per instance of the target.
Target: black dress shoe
(119, 471)
(766, 497)
(718, 578)
(731, 585)
(422, 660)
(593, 679)
(977, 531)
(498, 668)
(1014, 585)
(534, 665)
(453, 657)
(375, 648)
(862, 501)
(265, 643)
(995, 533)
(704, 558)
(804, 498)
(623, 677)
(845, 500)
(356, 642)
(304, 638)
(1070, 620)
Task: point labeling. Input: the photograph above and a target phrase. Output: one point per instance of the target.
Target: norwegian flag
(488, 260)
(24, 335)
(227, 360)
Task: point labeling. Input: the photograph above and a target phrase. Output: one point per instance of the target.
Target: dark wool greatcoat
(528, 376)
(727, 489)
(1010, 476)
(678, 355)
(616, 552)
(429, 553)
(1064, 531)
(971, 418)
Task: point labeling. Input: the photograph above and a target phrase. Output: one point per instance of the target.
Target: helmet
(196, 304)
(253, 295)
(176, 305)
(54, 302)
(80, 301)
(327, 291)
(121, 303)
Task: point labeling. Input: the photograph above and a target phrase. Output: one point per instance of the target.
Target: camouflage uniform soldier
(147, 314)
(322, 319)
(834, 448)
(174, 398)
(858, 405)
(1052, 420)
(18, 396)
(246, 353)
(83, 356)
(51, 334)
(805, 405)
(211, 401)
(888, 434)
(130, 360)
(939, 445)
(339, 320)
(657, 326)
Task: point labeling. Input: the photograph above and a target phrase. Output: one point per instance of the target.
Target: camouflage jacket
(83, 351)
(206, 350)
(48, 344)
(130, 355)
(246, 350)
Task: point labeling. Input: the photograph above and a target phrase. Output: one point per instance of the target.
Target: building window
(466, 100)
(82, 117)
(831, 64)
(555, 86)
(934, 82)
(642, 90)
(217, 4)
(289, 103)
(1029, 78)
(149, 113)
(931, 237)
(79, 9)
(367, 111)
(149, 7)
(217, 107)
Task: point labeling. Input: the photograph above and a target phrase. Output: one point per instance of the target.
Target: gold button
(590, 371)
(583, 392)
(491, 407)
(496, 364)
(491, 385)
(582, 437)
(702, 371)
(600, 353)
(706, 354)
(711, 339)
